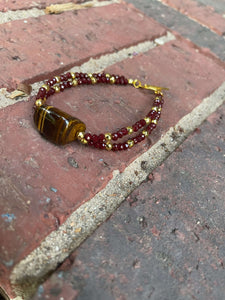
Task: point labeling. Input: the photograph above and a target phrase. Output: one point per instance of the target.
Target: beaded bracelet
(61, 128)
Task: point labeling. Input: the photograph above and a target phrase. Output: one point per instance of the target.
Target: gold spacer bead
(75, 83)
(145, 132)
(90, 75)
(80, 135)
(159, 108)
(112, 80)
(45, 86)
(130, 143)
(147, 120)
(108, 146)
(154, 121)
(108, 136)
(155, 108)
(56, 88)
(129, 129)
(130, 81)
(73, 75)
(39, 102)
(83, 141)
(93, 80)
(107, 75)
(57, 79)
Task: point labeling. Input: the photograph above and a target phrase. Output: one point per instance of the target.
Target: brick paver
(42, 184)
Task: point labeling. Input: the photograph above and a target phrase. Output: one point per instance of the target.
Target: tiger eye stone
(56, 125)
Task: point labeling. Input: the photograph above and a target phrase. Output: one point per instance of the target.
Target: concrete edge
(59, 244)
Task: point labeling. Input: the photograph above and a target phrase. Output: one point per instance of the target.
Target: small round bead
(88, 137)
(124, 131)
(72, 75)
(75, 83)
(125, 146)
(120, 147)
(45, 86)
(130, 130)
(115, 147)
(120, 134)
(112, 80)
(80, 135)
(135, 140)
(130, 81)
(39, 102)
(147, 120)
(114, 136)
(102, 145)
(83, 141)
(101, 137)
(154, 122)
(57, 79)
(108, 136)
(108, 146)
(145, 132)
(56, 88)
(107, 75)
(90, 75)
(135, 127)
(130, 143)
(155, 108)
(94, 138)
(62, 87)
(93, 80)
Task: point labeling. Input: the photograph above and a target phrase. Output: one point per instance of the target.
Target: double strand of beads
(61, 128)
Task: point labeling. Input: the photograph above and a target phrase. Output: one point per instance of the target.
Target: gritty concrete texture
(166, 241)
(209, 41)
(67, 45)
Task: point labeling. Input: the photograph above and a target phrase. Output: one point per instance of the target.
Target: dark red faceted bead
(94, 138)
(81, 75)
(79, 81)
(107, 80)
(63, 77)
(102, 145)
(97, 145)
(114, 136)
(119, 134)
(88, 137)
(84, 80)
(125, 146)
(50, 92)
(68, 75)
(135, 127)
(101, 137)
(88, 80)
(135, 140)
(42, 92)
(125, 81)
(50, 82)
(62, 87)
(120, 147)
(124, 131)
(115, 147)
(142, 122)
(150, 127)
(152, 114)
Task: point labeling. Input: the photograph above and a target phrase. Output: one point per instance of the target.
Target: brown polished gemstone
(56, 125)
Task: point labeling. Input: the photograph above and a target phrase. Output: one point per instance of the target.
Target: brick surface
(204, 15)
(166, 241)
(7, 5)
(41, 184)
(198, 34)
(66, 40)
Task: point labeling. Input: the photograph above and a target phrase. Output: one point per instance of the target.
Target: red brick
(38, 185)
(6, 5)
(205, 15)
(52, 43)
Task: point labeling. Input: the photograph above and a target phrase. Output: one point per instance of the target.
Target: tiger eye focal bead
(56, 125)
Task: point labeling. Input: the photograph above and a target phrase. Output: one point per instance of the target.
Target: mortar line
(23, 14)
(94, 65)
(85, 220)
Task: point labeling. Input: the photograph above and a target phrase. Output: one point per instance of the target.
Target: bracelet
(61, 128)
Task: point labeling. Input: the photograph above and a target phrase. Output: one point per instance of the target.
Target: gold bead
(73, 75)
(108, 146)
(75, 83)
(130, 143)
(90, 75)
(45, 86)
(108, 136)
(155, 108)
(154, 121)
(159, 108)
(57, 79)
(129, 129)
(56, 88)
(130, 81)
(39, 102)
(112, 80)
(147, 120)
(145, 132)
(107, 75)
(83, 141)
(93, 80)
(80, 135)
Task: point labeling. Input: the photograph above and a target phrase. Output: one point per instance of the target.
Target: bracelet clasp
(157, 89)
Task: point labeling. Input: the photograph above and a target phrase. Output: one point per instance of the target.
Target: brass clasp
(157, 89)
